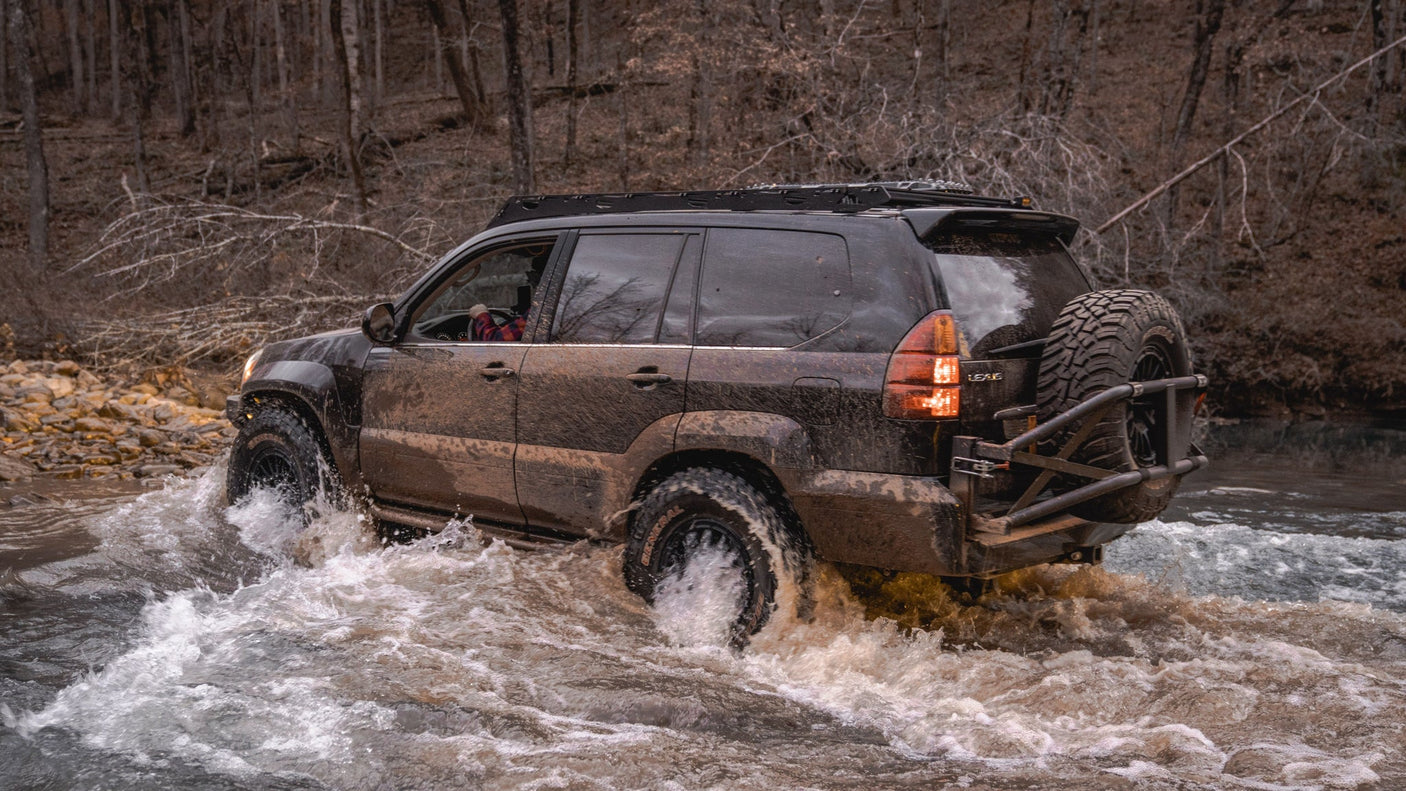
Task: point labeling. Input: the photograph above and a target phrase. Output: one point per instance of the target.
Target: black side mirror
(378, 323)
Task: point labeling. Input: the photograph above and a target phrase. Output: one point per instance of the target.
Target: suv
(902, 375)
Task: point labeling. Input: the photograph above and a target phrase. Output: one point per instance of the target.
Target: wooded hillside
(184, 180)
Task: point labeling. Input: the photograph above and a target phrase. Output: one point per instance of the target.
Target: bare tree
(4, 56)
(17, 19)
(350, 142)
(473, 108)
(75, 56)
(573, 12)
(519, 102)
(114, 58)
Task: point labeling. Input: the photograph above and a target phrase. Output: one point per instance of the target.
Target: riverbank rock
(59, 420)
(13, 469)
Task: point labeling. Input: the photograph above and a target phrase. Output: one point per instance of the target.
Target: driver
(485, 330)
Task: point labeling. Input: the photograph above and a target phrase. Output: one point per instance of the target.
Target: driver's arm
(485, 330)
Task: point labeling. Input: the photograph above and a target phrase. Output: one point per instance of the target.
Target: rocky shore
(61, 421)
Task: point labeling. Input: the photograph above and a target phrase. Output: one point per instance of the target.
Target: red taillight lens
(924, 374)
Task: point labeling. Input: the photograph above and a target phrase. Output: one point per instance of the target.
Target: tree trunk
(349, 141)
(573, 10)
(438, 47)
(138, 83)
(701, 91)
(115, 58)
(256, 73)
(90, 52)
(475, 73)
(1376, 91)
(351, 39)
(17, 25)
(285, 96)
(1093, 53)
(75, 56)
(1208, 21)
(379, 15)
(444, 36)
(182, 79)
(4, 56)
(519, 102)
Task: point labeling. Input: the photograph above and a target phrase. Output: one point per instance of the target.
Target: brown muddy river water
(1253, 638)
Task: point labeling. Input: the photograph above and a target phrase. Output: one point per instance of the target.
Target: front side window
(771, 288)
(615, 287)
(488, 298)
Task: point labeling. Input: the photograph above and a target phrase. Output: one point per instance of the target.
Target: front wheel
(701, 512)
(277, 450)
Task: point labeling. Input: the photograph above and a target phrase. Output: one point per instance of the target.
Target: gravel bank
(61, 421)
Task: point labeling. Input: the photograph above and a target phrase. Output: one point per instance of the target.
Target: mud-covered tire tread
(752, 509)
(1093, 345)
(316, 479)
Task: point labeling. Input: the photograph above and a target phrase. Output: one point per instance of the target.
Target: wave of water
(242, 654)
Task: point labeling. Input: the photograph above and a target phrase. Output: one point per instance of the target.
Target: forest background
(182, 181)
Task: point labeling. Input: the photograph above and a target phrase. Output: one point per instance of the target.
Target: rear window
(1006, 289)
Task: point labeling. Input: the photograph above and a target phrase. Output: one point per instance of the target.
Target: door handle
(643, 379)
(495, 371)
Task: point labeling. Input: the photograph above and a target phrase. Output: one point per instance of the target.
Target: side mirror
(378, 323)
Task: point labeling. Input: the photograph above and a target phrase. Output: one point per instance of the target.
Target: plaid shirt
(486, 330)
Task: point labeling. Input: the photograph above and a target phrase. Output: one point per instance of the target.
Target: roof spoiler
(927, 222)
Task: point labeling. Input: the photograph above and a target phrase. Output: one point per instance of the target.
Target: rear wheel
(703, 511)
(1100, 340)
(277, 450)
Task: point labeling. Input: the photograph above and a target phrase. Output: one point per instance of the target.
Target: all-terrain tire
(1100, 340)
(276, 449)
(707, 507)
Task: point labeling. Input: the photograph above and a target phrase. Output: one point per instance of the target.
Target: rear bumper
(915, 523)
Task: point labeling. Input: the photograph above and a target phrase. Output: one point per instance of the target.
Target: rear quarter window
(771, 288)
(1006, 289)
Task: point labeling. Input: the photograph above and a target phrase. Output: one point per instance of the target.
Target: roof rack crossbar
(819, 197)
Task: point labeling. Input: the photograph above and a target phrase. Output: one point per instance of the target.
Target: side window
(615, 288)
(771, 288)
(502, 280)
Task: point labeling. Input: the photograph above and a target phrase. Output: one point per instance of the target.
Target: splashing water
(698, 604)
(203, 646)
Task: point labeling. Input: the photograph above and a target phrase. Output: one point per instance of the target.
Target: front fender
(313, 388)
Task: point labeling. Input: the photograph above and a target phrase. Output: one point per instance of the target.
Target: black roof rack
(846, 198)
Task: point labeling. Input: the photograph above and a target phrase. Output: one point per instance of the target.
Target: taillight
(924, 376)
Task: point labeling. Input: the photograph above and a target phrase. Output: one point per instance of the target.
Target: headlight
(249, 366)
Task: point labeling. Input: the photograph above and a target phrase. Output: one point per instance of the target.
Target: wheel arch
(297, 403)
(750, 469)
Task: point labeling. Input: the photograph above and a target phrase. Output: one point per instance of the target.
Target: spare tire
(1103, 339)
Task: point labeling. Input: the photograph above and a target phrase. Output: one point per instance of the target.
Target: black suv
(903, 376)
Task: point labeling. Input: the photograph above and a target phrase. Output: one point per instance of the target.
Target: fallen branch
(1219, 152)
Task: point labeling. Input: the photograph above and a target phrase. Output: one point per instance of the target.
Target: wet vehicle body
(905, 377)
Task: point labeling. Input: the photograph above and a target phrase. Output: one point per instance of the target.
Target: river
(1252, 638)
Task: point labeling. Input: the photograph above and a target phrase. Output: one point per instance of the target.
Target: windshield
(1005, 289)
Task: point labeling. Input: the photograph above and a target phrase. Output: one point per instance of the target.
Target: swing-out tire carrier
(1039, 521)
